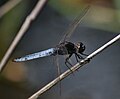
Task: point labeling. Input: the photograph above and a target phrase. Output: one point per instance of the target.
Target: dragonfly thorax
(65, 48)
(70, 48)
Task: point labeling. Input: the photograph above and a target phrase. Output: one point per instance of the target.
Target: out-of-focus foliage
(68, 7)
(10, 24)
(98, 80)
(103, 13)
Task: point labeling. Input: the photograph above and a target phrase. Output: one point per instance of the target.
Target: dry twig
(22, 31)
(74, 68)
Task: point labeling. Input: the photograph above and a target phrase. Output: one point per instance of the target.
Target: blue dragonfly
(64, 47)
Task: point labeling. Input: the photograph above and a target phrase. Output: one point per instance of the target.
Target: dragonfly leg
(67, 62)
(79, 56)
(76, 58)
(83, 54)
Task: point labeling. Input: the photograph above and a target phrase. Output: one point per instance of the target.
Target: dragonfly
(65, 47)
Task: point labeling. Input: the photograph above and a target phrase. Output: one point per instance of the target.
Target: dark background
(99, 79)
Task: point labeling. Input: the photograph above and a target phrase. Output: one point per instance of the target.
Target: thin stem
(104, 46)
(22, 31)
(74, 68)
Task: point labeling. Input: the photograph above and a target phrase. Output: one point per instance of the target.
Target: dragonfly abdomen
(44, 53)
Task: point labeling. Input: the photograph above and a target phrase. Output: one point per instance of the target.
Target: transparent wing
(74, 25)
(44, 53)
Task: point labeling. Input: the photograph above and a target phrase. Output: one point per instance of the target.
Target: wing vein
(74, 24)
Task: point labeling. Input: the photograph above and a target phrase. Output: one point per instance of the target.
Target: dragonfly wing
(74, 24)
(44, 53)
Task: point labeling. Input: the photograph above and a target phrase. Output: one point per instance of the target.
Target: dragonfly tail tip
(14, 60)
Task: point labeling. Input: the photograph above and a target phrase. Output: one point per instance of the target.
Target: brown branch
(74, 68)
(22, 31)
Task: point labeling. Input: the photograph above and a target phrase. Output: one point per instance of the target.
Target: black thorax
(65, 48)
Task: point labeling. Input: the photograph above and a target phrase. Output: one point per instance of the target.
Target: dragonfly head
(80, 47)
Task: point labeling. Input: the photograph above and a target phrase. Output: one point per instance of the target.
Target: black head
(81, 47)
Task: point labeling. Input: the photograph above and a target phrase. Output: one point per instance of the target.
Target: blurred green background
(20, 80)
